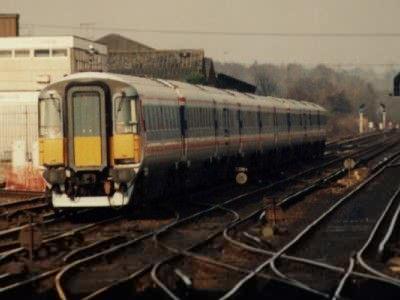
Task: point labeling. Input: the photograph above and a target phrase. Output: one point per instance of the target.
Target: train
(110, 140)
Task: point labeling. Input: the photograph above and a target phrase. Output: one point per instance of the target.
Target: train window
(239, 119)
(41, 53)
(86, 113)
(125, 115)
(226, 118)
(168, 117)
(288, 121)
(174, 123)
(171, 118)
(160, 118)
(267, 120)
(50, 119)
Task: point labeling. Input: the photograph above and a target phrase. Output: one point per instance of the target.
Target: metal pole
(384, 120)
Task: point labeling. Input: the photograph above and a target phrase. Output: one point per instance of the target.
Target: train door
(275, 128)
(216, 127)
(259, 126)
(87, 132)
(240, 128)
(183, 127)
(226, 124)
(289, 127)
(305, 122)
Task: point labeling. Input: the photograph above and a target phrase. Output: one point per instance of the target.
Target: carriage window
(125, 115)
(50, 120)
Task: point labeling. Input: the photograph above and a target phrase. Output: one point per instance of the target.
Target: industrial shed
(129, 57)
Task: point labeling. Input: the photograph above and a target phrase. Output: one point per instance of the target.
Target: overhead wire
(219, 33)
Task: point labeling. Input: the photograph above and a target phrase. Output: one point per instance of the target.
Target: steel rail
(49, 219)
(282, 280)
(53, 272)
(305, 231)
(57, 239)
(286, 200)
(303, 260)
(342, 282)
(236, 198)
(297, 194)
(154, 269)
(311, 169)
(171, 250)
(49, 238)
(351, 139)
(375, 228)
(21, 202)
(393, 221)
(365, 265)
(360, 252)
(62, 273)
(229, 267)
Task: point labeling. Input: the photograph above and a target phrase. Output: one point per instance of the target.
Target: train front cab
(89, 144)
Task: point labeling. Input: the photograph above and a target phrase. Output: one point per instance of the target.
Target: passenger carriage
(111, 140)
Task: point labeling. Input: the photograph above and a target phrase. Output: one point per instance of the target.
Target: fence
(17, 122)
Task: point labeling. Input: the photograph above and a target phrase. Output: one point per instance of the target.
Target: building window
(21, 53)
(5, 53)
(59, 53)
(42, 53)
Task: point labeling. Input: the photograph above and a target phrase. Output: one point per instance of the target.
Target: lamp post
(361, 118)
(383, 107)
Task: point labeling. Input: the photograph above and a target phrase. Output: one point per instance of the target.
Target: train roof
(152, 87)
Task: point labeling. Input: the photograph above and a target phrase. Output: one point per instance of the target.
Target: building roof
(50, 42)
(119, 44)
(9, 15)
(225, 81)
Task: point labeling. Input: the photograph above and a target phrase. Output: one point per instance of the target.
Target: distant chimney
(9, 25)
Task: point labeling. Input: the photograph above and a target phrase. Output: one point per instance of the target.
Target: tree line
(341, 92)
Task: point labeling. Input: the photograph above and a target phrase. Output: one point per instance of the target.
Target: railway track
(15, 212)
(339, 232)
(55, 251)
(63, 277)
(75, 254)
(230, 258)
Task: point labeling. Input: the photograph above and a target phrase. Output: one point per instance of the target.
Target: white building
(28, 64)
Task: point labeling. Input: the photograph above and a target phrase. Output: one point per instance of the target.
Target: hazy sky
(234, 16)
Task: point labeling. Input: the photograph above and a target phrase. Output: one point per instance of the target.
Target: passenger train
(115, 140)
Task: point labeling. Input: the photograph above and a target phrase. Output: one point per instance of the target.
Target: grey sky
(278, 16)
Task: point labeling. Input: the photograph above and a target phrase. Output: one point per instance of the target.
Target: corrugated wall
(17, 122)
